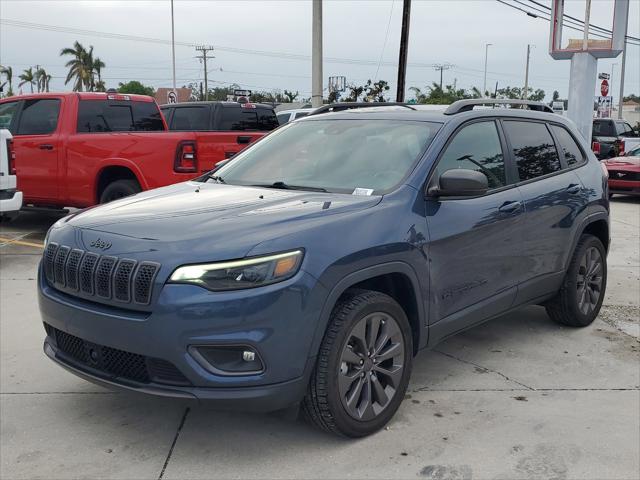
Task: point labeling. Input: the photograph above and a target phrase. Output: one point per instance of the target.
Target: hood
(622, 162)
(213, 221)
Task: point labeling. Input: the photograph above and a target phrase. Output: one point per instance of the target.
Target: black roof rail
(340, 106)
(467, 105)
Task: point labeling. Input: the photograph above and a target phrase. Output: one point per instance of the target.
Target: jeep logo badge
(101, 244)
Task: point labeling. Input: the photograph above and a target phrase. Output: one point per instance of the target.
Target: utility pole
(525, 93)
(613, 65)
(173, 52)
(204, 49)
(622, 67)
(404, 50)
(486, 55)
(316, 54)
(442, 67)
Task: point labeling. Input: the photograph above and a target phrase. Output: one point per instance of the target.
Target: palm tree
(27, 77)
(97, 65)
(8, 73)
(78, 66)
(42, 80)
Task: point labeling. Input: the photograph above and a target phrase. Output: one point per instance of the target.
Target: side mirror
(460, 182)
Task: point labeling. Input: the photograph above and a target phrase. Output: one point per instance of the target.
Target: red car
(624, 173)
(79, 149)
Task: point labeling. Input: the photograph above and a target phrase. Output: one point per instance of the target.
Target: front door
(36, 144)
(475, 243)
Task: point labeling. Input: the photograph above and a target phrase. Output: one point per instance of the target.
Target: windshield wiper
(210, 176)
(286, 186)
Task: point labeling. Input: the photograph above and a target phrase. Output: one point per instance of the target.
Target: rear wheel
(580, 298)
(363, 367)
(119, 189)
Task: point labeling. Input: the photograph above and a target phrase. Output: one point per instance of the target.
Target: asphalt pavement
(516, 398)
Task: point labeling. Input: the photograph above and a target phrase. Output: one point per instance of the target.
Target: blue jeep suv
(313, 266)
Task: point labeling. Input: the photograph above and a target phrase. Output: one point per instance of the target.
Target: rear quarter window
(569, 148)
(237, 118)
(190, 118)
(95, 116)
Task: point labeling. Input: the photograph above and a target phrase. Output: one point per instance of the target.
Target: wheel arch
(116, 170)
(396, 279)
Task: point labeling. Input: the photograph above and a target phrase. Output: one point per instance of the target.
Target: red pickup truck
(79, 149)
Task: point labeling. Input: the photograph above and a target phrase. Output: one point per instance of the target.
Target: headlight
(238, 274)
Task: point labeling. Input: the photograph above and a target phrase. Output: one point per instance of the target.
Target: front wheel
(580, 298)
(363, 367)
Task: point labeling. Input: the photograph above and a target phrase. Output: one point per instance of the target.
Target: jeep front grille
(106, 277)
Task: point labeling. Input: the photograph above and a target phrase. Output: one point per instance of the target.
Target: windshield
(333, 155)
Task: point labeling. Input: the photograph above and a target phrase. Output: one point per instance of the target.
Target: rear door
(475, 243)
(553, 198)
(37, 145)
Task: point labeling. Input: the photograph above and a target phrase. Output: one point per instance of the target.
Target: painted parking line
(9, 241)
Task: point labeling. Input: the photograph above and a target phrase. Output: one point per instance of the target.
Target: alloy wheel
(589, 281)
(371, 366)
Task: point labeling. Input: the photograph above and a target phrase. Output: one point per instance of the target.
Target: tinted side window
(237, 118)
(7, 112)
(190, 118)
(267, 119)
(476, 147)
(624, 129)
(533, 149)
(146, 117)
(603, 128)
(283, 118)
(568, 146)
(97, 116)
(39, 117)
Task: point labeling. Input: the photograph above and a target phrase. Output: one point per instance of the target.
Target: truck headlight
(239, 274)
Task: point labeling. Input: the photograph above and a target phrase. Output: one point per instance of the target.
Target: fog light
(248, 356)
(228, 359)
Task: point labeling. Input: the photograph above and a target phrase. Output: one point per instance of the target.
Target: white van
(10, 197)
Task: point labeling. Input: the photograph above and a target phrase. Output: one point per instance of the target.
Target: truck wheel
(119, 189)
(363, 367)
(580, 297)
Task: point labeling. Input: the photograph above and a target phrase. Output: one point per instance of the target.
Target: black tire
(581, 285)
(324, 405)
(119, 189)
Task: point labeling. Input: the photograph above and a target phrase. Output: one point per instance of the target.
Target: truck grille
(103, 276)
(112, 362)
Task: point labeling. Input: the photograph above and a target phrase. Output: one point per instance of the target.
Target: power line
(386, 37)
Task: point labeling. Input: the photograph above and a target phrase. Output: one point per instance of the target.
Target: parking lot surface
(516, 398)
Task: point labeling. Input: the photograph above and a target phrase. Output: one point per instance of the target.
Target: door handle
(243, 139)
(45, 146)
(573, 189)
(509, 207)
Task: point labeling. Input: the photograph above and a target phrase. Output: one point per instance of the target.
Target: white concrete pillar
(582, 86)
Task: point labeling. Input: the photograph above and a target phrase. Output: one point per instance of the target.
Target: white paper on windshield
(363, 191)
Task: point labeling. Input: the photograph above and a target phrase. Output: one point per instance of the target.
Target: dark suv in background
(611, 138)
(317, 263)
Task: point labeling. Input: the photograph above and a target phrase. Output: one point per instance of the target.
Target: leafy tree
(8, 73)
(355, 91)
(517, 92)
(290, 96)
(631, 98)
(135, 87)
(334, 96)
(374, 91)
(27, 77)
(435, 95)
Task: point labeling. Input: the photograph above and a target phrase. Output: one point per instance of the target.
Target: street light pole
(173, 51)
(486, 54)
(613, 66)
(526, 74)
(316, 54)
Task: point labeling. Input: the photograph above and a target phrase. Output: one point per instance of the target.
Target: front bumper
(10, 201)
(279, 321)
(624, 187)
